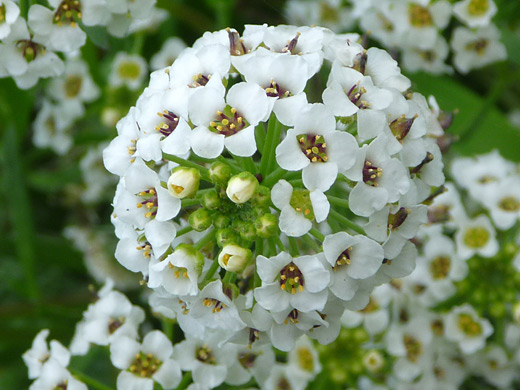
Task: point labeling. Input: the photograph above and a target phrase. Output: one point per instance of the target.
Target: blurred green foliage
(44, 281)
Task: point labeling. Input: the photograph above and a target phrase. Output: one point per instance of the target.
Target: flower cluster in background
(278, 194)
(422, 32)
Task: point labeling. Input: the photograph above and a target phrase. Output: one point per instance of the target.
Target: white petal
(319, 176)
(243, 143)
(206, 143)
(320, 205)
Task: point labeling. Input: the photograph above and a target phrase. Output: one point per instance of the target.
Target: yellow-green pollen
(371, 307)
(150, 202)
(478, 46)
(144, 365)
(73, 85)
(476, 237)
(247, 359)
(328, 13)
(468, 325)
(301, 202)
(509, 203)
(29, 49)
(205, 355)
(478, 7)
(228, 122)
(2, 13)
(178, 271)
(440, 267)
(419, 16)
(413, 347)
(291, 279)
(313, 146)
(68, 12)
(216, 305)
(305, 359)
(129, 70)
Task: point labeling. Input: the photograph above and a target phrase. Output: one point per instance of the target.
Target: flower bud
(226, 236)
(245, 229)
(266, 225)
(183, 182)
(211, 200)
(219, 172)
(234, 258)
(221, 221)
(241, 187)
(200, 220)
(262, 198)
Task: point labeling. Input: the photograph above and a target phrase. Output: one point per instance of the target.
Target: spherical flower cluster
(238, 196)
(416, 28)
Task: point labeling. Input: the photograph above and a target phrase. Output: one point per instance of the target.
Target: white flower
(213, 308)
(39, 355)
(227, 122)
(179, 272)
(409, 343)
(475, 49)
(74, 87)
(58, 28)
(25, 58)
(250, 362)
(145, 363)
(298, 208)
(287, 282)
(51, 128)
(494, 365)
(55, 376)
(9, 12)
(283, 376)
(431, 60)
(128, 70)
(504, 202)
(349, 91)
(465, 327)
(208, 362)
(304, 359)
(282, 77)
(476, 236)
(317, 148)
(381, 179)
(352, 258)
(110, 317)
(143, 198)
(475, 13)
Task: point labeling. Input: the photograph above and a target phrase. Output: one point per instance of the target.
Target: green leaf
(488, 128)
(97, 35)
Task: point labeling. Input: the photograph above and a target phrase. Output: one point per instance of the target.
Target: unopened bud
(245, 229)
(183, 182)
(242, 187)
(234, 258)
(262, 197)
(211, 200)
(200, 220)
(221, 221)
(219, 173)
(226, 236)
(266, 225)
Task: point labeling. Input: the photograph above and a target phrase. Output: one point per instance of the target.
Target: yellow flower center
(476, 237)
(419, 16)
(478, 7)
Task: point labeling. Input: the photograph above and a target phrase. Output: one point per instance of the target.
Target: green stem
(338, 201)
(345, 221)
(273, 177)
(311, 243)
(189, 202)
(167, 327)
(234, 167)
(211, 271)
(268, 153)
(91, 382)
(184, 230)
(259, 246)
(186, 380)
(272, 247)
(204, 240)
(296, 183)
(137, 45)
(293, 247)
(317, 234)
(229, 277)
(279, 243)
(246, 163)
(186, 163)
